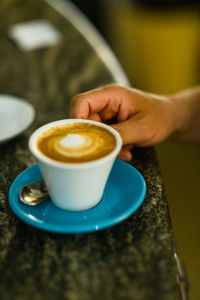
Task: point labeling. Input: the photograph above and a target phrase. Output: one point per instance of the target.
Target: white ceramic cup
(74, 186)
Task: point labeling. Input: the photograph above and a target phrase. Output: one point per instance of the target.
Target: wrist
(179, 114)
(186, 107)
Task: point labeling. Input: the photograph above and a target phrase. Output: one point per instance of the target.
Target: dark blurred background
(158, 45)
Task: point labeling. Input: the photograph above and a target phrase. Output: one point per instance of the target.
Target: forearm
(187, 114)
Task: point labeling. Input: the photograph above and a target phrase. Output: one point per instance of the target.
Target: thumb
(122, 130)
(130, 131)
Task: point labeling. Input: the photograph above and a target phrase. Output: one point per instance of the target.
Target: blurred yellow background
(160, 52)
(159, 48)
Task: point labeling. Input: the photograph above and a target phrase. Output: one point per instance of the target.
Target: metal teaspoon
(34, 193)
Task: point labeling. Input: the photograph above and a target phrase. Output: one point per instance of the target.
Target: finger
(95, 117)
(110, 111)
(125, 155)
(128, 147)
(91, 102)
(133, 131)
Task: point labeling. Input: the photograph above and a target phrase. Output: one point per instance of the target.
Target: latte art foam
(72, 140)
(76, 142)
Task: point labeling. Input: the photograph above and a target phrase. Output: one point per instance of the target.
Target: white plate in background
(16, 115)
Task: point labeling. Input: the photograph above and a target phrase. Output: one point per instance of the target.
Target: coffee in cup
(75, 158)
(76, 142)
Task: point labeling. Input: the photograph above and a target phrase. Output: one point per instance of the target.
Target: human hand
(141, 118)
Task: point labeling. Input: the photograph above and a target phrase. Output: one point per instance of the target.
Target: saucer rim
(67, 228)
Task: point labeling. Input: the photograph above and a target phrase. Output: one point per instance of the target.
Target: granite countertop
(132, 260)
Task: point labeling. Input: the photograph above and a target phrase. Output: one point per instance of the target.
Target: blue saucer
(124, 193)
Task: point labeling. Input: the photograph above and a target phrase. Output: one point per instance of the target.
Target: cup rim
(42, 158)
